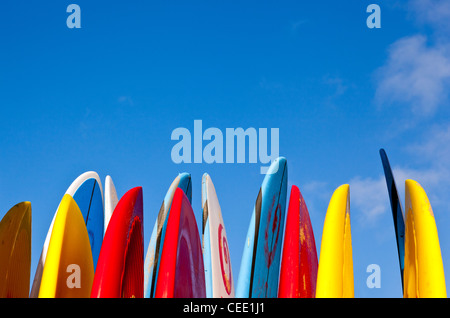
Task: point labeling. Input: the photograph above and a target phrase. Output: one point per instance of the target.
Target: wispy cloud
(430, 168)
(369, 197)
(435, 146)
(125, 100)
(426, 162)
(416, 77)
(337, 83)
(317, 195)
(416, 74)
(433, 156)
(296, 25)
(432, 12)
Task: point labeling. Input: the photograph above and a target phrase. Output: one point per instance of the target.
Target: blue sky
(107, 97)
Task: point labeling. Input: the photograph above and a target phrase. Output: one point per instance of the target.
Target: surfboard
(260, 264)
(111, 200)
(153, 256)
(397, 212)
(69, 268)
(181, 272)
(15, 252)
(424, 271)
(216, 253)
(335, 272)
(120, 267)
(298, 271)
(87, 191)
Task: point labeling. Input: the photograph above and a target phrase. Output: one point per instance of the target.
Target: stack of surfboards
(300, 275)
(95, 244)
(73, 242)
(173, 263)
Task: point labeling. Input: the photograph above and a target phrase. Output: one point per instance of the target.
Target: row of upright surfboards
(94, 246)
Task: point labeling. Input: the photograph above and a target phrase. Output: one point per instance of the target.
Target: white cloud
(430, 179)
(431, 169)
(432, 12)
(368, 198)
(415, 74)
(435, 147)
(415, 77)
(433, 154)
(417, 71)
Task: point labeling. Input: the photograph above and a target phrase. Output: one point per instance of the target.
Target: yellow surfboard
(15, 252)
(69, 268)
(424, 270)
(335, 272)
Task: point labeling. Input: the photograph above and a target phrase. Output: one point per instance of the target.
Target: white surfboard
(111, 199)
(216, 254)
(34, 293)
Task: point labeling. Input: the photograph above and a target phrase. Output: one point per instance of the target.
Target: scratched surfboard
(153, 256)
(299, 262)
(258, 275)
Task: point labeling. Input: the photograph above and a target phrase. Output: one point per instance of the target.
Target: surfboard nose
(278, 164)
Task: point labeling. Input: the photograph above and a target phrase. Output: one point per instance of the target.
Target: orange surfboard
(15, 252)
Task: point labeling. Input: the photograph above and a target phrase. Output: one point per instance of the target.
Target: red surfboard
(181, 272)
(120, 267)
(299, 264)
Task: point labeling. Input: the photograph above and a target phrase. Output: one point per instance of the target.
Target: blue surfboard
(153, 256)
(260, 264)
(397, 211)
(89, 198)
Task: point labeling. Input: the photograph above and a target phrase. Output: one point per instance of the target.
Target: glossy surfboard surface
(15, 252)
(260, 264)
(87, 192)
(111, 200)
(216, 253)
(335, 272)
(120, 268)
(424, 271)
(181, 272)
(298, 272)
(153, 256)
(69, 268)
(397, 212)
